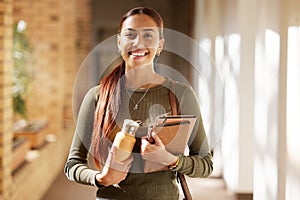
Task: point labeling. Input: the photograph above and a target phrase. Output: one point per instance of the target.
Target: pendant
(135, 107)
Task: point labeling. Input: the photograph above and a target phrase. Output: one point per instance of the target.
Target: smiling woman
(139, 40)
(134, 90)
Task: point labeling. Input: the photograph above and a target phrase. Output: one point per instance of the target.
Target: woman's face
(139, 40)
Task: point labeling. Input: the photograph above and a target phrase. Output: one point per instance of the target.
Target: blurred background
(241, 57)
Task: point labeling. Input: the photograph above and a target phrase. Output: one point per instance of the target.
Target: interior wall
(228, 37)
(260, 72)
(276, 101)
(267, 164)
(291, 27)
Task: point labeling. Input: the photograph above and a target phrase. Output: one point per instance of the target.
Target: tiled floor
(203, 189)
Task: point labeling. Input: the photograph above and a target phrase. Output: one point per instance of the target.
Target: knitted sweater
(140, 185)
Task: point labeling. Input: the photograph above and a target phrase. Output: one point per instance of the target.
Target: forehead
(138, 21)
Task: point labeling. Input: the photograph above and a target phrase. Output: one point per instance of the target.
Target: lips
(138, 53)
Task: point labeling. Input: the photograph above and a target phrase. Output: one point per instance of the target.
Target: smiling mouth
(138, 54)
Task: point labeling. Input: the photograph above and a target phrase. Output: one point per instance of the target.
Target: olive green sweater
(139, 185)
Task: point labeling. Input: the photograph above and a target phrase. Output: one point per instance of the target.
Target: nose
(138, 42)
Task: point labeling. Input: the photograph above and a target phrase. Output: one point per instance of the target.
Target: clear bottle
(125, 140)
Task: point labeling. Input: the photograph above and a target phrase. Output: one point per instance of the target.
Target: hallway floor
(203, 189)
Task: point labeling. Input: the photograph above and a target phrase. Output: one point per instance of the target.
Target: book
(174, 131)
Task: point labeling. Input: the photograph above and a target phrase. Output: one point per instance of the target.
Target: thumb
(113, 149)
(158, 141)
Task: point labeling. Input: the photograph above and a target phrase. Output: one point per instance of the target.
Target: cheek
(151, 44)
(124, 46)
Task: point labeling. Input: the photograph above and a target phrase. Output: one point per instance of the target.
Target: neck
(140, 76)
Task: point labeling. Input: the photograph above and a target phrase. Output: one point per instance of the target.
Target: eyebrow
(144, 30)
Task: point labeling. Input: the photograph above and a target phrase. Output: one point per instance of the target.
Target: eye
(130, 35)
(148, 36)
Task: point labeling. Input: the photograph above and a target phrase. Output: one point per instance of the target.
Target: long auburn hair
(109, 101)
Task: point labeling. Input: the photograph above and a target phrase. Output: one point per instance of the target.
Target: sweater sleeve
(76, 167)
(199, 162)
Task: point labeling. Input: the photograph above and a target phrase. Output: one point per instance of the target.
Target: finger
(121, 167)
(109, 159)
(128, 160)
(112, 150)
(127, 166)
(158, 141)
(144, 144)
(144, 140)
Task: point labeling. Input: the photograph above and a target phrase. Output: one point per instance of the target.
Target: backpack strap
(173, 99)
(181, 177)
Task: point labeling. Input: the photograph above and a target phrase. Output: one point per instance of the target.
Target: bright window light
(293, 113)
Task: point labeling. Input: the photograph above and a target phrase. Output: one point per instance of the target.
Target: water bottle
(125, 140)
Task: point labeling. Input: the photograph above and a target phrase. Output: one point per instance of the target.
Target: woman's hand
(157, 152)
(114, 172)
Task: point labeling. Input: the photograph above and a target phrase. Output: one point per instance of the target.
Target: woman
(134, 90)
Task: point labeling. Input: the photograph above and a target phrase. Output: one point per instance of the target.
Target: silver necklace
(136, 104)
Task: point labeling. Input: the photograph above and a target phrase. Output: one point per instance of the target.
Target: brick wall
(60, 34)
(5, 97)
(77, 42)
(44, 30)
(61, 37)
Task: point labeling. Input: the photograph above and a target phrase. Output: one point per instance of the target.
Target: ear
(118, 41)
(160, 45)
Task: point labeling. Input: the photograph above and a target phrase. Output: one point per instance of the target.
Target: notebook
(174, 131)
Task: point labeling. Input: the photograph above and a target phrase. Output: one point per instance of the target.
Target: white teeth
(138, 54)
